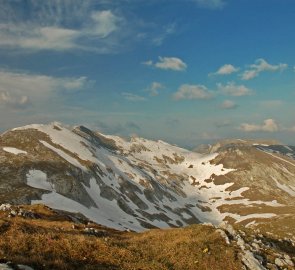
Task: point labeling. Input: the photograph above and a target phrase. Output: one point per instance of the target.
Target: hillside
(142, 184)
(38, 237)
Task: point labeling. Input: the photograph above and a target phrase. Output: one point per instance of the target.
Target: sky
(183, 71)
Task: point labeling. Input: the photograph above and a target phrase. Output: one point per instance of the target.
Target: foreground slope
(141, 184)
(42, 238)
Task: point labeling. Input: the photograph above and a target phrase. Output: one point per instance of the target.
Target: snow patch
(260, 144)
(65, 156)
(288, 189)
(288, 148)
(38, 179)
(14, 151)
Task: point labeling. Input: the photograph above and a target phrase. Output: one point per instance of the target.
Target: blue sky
(184, 71)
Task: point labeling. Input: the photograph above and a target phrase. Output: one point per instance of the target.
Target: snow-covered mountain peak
(141, 183)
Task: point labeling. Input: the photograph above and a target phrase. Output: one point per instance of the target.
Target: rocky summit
(140, 184)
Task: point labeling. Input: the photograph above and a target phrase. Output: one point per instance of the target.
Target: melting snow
(13, 150)
(38, 179)
(65, 156)
(119, 169)
(288, 189)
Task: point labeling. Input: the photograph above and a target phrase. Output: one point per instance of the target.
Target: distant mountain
(140, 184)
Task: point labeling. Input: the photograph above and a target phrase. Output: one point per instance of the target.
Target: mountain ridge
(141, 184)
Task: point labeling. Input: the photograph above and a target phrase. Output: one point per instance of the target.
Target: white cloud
(148, 63)
(105, 23)
(168, 63)
(172, 63)
(133, 97)
(261, 65)
(60, 25)
(232, 89)
(226, 69)
(28, 36)
(269, 125)
(212, 4)
(228, 104)
(154, 88)
(17, 89)
(249, 74)
(188, 91)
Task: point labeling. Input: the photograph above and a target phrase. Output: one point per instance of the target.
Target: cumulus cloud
(189, 91)
(17, 89)
(226, 69)
(228, 104)
(133, 97)
(232, 89)
(212, 4)
(261, 65)
(269, 125)
(154, 88)
(168, 63)
(59, 25)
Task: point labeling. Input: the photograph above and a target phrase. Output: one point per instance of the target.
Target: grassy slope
(51, 242)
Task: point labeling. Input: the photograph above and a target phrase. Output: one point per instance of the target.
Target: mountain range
(140, 184)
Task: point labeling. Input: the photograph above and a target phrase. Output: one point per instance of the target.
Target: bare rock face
(141, 184)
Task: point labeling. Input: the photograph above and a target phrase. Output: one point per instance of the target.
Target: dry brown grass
(51, 243)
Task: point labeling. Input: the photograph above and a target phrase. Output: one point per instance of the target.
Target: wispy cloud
(89, 25)
(18, 89)
(154, 88)
(232, 89)
(59, 26)
(228, 104)
(133, 97)
(104, 23)
(148, 63)
(168, 63)
(269, 125)
(189, 91)
(226, 69)
(18, 102)
(165, 32)
(261, 65)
